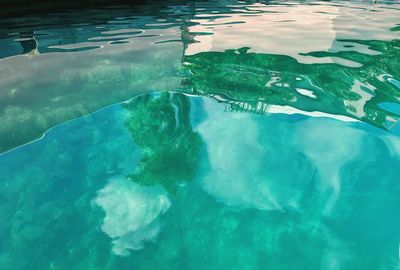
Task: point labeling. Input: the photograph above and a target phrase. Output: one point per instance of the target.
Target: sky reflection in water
(265, 136)
(344, 54)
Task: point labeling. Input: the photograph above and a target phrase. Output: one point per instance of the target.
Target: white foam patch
(131, 213)
(285, 109)
(306, 92)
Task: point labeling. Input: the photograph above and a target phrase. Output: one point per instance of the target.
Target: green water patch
(161, 127)
(252, 82)
(73, 63)
(236, 190)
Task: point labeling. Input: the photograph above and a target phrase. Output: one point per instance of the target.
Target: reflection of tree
(161, 127)
(249, 81)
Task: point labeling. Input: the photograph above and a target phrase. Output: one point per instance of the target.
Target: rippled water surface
(201, 135)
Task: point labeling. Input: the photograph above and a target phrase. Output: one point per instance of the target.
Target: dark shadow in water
(161, 127)
(28, 43)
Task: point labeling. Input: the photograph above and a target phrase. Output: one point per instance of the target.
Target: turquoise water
(234, 135)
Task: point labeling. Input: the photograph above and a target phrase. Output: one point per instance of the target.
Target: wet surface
(225, 134)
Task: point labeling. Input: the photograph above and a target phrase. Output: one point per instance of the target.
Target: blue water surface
(280, 191)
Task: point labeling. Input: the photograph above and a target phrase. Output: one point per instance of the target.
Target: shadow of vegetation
(160, 126)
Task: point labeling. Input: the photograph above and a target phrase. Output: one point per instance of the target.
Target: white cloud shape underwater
(132, 213)
(269, 163)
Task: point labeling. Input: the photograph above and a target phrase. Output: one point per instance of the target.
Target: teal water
(234, 135)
